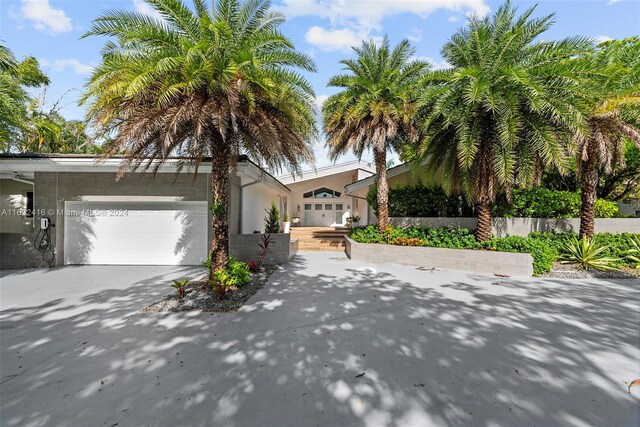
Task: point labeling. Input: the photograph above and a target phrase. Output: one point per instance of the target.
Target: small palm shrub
(230, 278)
(633, 254)
(588, 254)
(180, 287)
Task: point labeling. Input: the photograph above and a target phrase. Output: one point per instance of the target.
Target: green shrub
(420, 201)
(230, 278)
(587, 253)
(633, 253)
(543, 254)
(544, 203)
(272, 220)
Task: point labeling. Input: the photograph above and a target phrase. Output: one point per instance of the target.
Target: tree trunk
(383, 188)
(220, 164)
(589, 181)
(483, 217)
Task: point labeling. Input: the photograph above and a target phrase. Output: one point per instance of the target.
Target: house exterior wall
(255, 199)
(53, 189)
(337, 182)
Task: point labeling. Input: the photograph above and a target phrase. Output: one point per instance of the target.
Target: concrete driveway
(435, 348)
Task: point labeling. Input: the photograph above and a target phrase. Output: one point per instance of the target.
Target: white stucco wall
(335, 182)
(255, 199)
(12, 202)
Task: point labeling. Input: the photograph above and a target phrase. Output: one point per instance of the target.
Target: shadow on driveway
(436, 348)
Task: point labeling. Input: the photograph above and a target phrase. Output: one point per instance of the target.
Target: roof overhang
(26, 166)
(327, 171)
(370, 180)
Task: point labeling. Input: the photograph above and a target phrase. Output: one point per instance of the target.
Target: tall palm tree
(504, 110)
(202, 83)
(614, 117)
(375, 108)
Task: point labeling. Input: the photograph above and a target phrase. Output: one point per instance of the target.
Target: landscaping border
(474, 261)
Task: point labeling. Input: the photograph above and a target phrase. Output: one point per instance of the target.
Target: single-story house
(95, 219)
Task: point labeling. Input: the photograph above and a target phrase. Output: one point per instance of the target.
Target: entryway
(323, 214)
(320, 238)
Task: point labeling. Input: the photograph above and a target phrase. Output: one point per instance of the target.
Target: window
(29, 211)
(328, 207)
(318, 207)
(322, 193)
(307, 206)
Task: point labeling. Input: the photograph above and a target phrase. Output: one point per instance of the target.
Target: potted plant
(355, 220)
(287, 223)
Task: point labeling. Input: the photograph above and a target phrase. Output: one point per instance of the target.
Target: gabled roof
(370, 180)
(328, 171)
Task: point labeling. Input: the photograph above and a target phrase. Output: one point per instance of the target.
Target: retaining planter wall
(245, 247)
(523, 226)
(474, 261)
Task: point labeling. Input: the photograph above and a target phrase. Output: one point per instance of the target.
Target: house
(318, 197)
(92, 218)
(95, 219)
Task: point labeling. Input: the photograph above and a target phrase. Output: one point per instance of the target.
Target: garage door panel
(136, 233)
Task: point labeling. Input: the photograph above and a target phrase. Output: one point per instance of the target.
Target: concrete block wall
(245, 247)
(17, 251)
(523, 226)
(474, 261)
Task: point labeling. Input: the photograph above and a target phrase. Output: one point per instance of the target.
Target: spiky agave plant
(633, 253)
(202, 83)
(587, 253)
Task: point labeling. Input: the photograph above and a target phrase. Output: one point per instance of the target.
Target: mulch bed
(573, 271)
(199, 296)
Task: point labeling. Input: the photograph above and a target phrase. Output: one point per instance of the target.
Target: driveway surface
(328, 342)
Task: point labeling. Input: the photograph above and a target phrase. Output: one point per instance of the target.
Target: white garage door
(164, 233)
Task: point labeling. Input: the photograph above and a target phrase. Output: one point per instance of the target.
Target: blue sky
(50, 30)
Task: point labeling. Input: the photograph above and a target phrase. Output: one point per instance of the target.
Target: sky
(50, 30)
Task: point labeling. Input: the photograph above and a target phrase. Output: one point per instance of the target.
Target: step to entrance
(318, 239)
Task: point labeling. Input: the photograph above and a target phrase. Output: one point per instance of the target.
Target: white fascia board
(255, 173)
(326, 171)
(89, 164)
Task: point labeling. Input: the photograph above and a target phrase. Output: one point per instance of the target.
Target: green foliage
(272, 220)
(587, 253)
(420, 201)
(545, 248)
(181, 287)
(544, 203)
(230, 278)
(633, 253)
(287, 218)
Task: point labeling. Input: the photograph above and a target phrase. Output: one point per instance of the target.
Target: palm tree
(374, 109)
(505, 109)
(202, 83)
(613, 119)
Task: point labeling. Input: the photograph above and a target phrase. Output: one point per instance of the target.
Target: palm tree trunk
(483, 192)
(589, 180)
(380, 156)
(220, 164)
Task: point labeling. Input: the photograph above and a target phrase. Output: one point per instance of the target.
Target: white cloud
(320, 100)
(330, 40)
(602, 39)
(415, 35)
(435, 64)
(59, 65)
(146, 9)
(613, 1)
(353, 21)
(45, 17)
(453, 18)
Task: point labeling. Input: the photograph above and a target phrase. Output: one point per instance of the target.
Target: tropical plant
(633, 254)
(230, 278)
(202, 83)
(374, 109)
(15, 78)
(587, 253)
(506, 108)
(263, 248)
(253, 266)
(180, 287)
(613, 119)
(272, 220)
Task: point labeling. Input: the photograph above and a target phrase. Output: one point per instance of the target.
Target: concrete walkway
(435, 348)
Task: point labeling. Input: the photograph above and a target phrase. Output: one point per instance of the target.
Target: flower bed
(544, 248)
